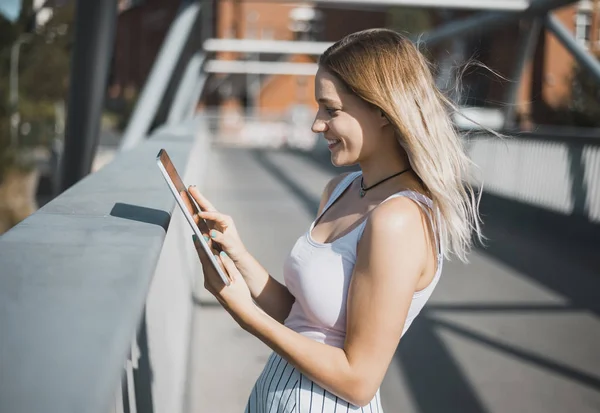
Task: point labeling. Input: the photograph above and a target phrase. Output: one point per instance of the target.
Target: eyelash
(331, 111)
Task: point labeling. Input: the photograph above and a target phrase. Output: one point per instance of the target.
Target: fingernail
(206, 237)
(213, 234)
(195, 238)
(223, 254)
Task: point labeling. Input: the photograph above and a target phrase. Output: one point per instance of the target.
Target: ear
(384, 121)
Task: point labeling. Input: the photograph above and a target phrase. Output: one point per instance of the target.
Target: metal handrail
(486, 21)
(584, 136)
(189, 90)
(586, 59)
(160, 76)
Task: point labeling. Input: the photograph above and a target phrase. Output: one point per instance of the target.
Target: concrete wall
(169, 303)
(97, 267)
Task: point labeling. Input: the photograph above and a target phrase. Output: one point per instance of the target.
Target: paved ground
(516, 330)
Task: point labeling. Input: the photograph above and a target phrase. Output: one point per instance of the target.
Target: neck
(383, 164)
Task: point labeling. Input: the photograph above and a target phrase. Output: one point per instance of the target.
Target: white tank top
(318, 275)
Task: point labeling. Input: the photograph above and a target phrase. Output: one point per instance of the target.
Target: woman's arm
(269, 294)
(390, 259)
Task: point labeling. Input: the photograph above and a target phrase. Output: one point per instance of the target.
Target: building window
(583, 27)
(305, 22)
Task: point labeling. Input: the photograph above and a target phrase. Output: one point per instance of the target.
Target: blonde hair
(385, 69)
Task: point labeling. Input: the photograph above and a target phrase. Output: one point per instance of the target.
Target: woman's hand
(222, 228)
(235, 298)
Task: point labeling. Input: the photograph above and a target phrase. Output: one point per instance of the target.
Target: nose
(319, 125)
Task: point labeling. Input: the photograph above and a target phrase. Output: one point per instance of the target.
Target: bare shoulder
(401, 222)
(397, 213)
(335, 181)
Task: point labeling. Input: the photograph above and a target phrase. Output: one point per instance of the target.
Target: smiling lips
(332, 142)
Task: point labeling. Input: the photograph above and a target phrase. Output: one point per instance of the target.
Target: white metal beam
(486, 21)
(263, 68)
(265, 46)
(505, 5)
(579, 52)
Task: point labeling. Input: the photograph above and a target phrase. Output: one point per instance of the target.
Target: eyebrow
(328, 101)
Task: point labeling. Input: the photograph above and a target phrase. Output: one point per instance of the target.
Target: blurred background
(538, 87)
(89, 90)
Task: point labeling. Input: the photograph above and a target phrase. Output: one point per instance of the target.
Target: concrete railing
(555, 171)
(548, 179)
(96, 289)
(551, 175)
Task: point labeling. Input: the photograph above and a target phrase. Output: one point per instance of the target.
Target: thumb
(229, 266)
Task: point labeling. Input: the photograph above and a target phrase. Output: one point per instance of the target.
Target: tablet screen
(185, 196)
(188, 206)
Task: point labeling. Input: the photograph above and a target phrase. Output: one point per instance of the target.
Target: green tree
(43, 68)
(8, 34)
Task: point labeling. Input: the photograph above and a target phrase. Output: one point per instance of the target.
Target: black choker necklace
(363, 190)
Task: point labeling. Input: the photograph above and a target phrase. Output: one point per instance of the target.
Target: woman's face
(351, 126)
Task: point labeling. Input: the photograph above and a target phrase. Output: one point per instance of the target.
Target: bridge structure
(102, 306)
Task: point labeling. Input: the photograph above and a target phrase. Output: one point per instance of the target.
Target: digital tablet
(188, 207)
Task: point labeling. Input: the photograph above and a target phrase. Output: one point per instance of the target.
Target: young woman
(365, 268)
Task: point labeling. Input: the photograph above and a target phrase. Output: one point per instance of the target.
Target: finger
(219, 262)
(207, 265)
(218, 217)
(208, 240)
(229, 266)
(222, 266)
(205, 260)
(200, 199)
(219, 239)
(214, 248)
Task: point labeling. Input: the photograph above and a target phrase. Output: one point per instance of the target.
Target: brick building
(141, 29)
(278, 94)
(545, 84)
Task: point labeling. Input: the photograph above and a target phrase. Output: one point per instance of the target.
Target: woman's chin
(338, 160)
(335, 160)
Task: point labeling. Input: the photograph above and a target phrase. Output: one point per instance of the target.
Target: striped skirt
(281, 388)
